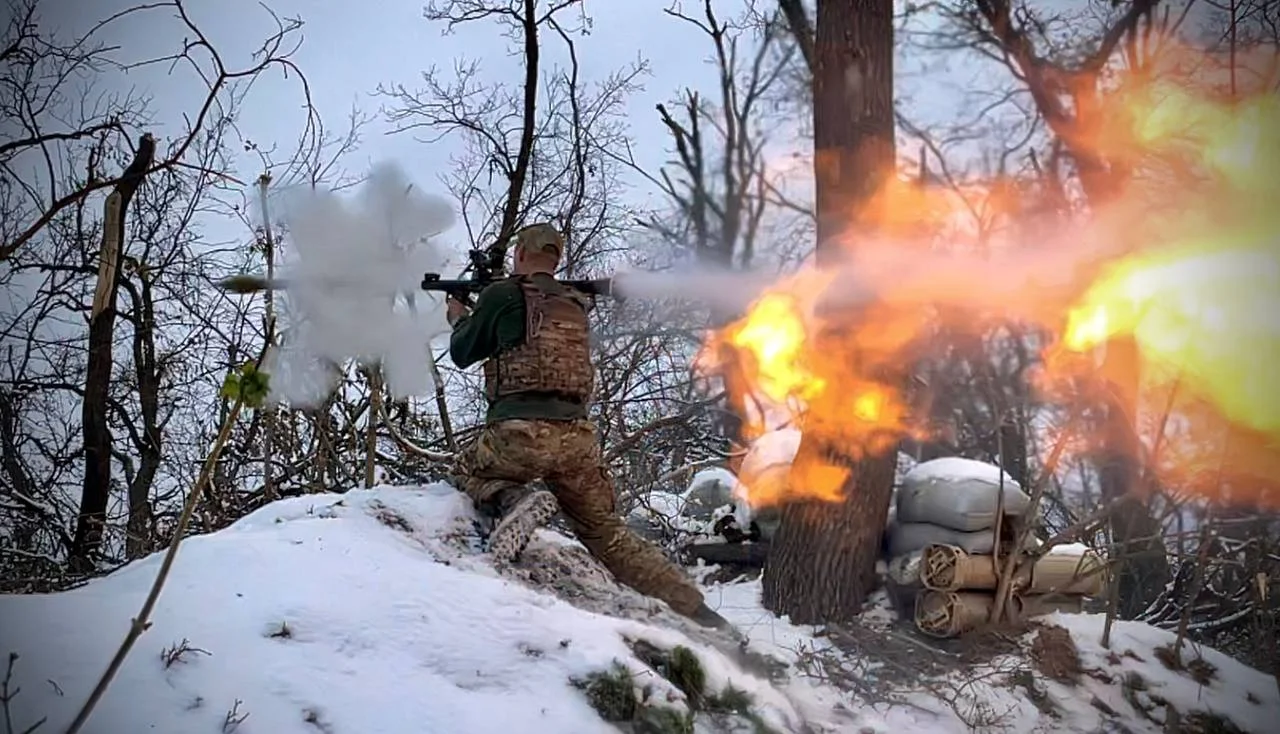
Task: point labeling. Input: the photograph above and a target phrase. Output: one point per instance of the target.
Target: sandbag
(911, 537)
(960, 494)
(902, 583)
(709, 490)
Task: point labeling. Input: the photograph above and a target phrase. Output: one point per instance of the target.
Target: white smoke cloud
(354, 268)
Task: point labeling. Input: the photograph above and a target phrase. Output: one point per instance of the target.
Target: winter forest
(861, 236)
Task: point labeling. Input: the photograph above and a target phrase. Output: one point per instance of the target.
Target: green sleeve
(476, 336)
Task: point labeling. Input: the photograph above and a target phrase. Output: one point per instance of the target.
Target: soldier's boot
(708, 617)
(521, 512)
(751, 661)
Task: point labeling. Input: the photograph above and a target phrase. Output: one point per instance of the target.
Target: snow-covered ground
(374, 612)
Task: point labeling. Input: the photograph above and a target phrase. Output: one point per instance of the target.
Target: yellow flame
(774, 333)
(1208, 315)
(1197, 292)
(1206, 309)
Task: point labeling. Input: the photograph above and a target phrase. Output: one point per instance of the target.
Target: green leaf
(231, 387)
(247, 384)
(254, 388)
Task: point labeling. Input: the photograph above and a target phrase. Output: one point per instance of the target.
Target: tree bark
(821, 565)
(1136, 533)
(96, 488)
(138, 542)
(524, 155)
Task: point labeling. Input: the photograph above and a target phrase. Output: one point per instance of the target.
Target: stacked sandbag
(952, 501)
(948, 501)
(946, 510)
(959, 587)
(902, 582)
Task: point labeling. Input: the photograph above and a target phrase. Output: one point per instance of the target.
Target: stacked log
(959, 588)
(955, 523)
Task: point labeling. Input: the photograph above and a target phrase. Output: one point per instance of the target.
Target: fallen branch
(737, 554)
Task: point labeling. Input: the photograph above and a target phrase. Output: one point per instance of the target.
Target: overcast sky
(350, 48)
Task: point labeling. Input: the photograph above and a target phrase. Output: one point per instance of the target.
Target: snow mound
(375, 611)
(365, 612)
(1134, 677)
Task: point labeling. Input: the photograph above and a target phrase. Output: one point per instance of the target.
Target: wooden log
(737, 554)
(1061, 571)
(953, 613)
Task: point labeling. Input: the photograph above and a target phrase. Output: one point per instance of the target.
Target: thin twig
(140, 623)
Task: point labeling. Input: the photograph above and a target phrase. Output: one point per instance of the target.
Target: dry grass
(1055, 655)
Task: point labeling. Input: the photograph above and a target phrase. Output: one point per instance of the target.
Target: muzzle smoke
(355, 264)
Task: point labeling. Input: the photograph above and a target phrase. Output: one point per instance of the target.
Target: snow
(391, 629)
(1070, 549)
(953, 469)
(1246, 696)
(736, 495)
(396, 622)
(712, 494)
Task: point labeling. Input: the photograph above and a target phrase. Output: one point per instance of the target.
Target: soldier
(531, 331)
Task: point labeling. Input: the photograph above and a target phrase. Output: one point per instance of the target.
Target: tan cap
(541, 237)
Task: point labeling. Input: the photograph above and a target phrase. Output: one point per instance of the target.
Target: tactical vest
(555, 357)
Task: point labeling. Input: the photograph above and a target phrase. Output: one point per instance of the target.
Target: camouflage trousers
(565, 455)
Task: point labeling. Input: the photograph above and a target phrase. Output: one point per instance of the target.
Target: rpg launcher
(486, 267)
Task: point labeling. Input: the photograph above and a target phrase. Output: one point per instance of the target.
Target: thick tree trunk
(821, 565)
(96, 488)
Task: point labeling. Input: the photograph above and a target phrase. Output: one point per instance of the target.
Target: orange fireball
(1183, 264)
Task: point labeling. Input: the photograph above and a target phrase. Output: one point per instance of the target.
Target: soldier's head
(538, 249)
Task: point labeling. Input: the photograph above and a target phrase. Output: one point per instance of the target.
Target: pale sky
(350, 48)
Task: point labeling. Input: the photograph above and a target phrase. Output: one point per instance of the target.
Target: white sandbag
(961, 494)
(911, 537)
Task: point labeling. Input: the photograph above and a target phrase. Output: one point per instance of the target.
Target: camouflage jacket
(499, 324)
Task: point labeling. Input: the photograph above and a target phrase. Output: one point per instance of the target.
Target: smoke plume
(355, 265)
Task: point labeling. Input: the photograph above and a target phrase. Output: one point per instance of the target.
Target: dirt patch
(1026, 680)
(1055, 654)
(1201, 671)
(390, 517)
(1201, 722)
(1169, 657)
(1198, 669)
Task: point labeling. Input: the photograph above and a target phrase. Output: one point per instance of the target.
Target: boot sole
(514, 531)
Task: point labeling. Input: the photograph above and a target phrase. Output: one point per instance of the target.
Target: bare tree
(502, 126)
(160, 337)
(721, 191)
(97, 437)
(1065, 84)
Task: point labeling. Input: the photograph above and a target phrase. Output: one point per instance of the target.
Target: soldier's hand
(455, 310)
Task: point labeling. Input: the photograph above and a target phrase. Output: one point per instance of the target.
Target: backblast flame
(1181, 262)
